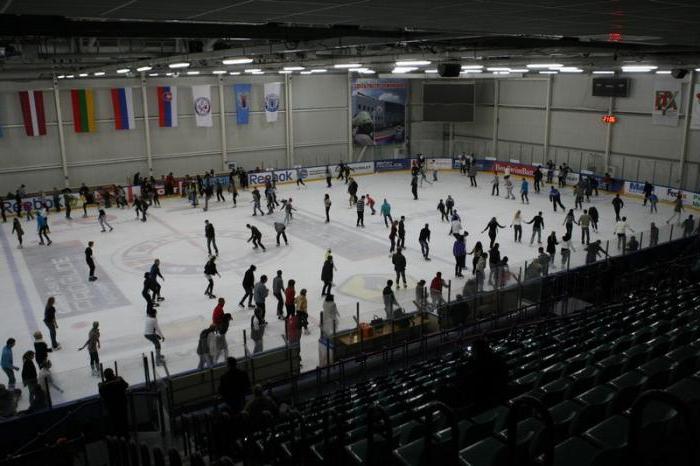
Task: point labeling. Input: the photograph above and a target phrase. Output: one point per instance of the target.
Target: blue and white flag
(272, 101)
(242, 95)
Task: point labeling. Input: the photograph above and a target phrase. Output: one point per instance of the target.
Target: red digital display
(609, 119)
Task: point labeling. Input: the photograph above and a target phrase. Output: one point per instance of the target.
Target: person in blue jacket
(42, 224)
(8, 365)
(385, 210)
(524, 189)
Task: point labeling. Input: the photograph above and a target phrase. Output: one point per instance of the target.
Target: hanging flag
(167, 106)
(32, 103)
(83, 110)
(201, 100)
(695, 120)
(123, 105)
(272, 101)
(667, 102)
(242, 93)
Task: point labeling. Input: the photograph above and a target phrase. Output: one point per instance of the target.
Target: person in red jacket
(289, 296)
(436, 286)
(218, 315)
(370, 203)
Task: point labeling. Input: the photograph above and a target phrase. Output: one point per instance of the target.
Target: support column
(451, 143)
(349, 127)
(61, 137)
(146, 128)
(686, 129)
(222, 120)
(496, 98)
(608, 135)
(547, 118)
(288, 137)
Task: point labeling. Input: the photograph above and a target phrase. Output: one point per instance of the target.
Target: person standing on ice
(42, 224)
(494, 184)
(360, 212)
(537, 223)
(155, 273)
(449, 204)
(538, 178)
(329, 177)
(593, 212)
(300, 178)
(472, 175)
(621, 228)
(256, 202)
(352, 191)
(389, 299)
(459, 250)
(455, 226)
(443, 213)
(327, 275)
(524, 189)
(153, 334)
(492, 227)
(423, 240)
(248, 284)
(280, 229)
(677, 209)
(392, 235)
(255, 237)
(517, 225)
(17, 229)
(277, 289)
(509, 188)
(370, 202)
(93, 346)
(569, 221)
(618, 204)
(399, 261)
(102, 220)
(209, 272)
(401, 244)
(414, 187)
(210, 234)
(555, 198)
(327, 206)
(90, 262)
(653, 200)
(385, 210)
(436, 286)
(260, 293)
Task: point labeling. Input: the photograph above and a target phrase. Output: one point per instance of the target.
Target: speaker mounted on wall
(449, 70)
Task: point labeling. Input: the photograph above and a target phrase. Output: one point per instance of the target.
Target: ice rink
(175, 234)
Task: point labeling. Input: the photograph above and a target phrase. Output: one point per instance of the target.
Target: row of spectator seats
(579, 378)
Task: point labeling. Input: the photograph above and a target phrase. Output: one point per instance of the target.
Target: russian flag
(167, 106)
(123, 105)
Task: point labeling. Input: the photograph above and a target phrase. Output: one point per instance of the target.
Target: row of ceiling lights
(401, 67)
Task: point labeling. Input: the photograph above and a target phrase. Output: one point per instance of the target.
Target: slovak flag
(167, 106)
(123, 105)
(32, 103)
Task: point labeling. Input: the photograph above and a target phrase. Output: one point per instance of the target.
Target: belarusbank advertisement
(379, 111)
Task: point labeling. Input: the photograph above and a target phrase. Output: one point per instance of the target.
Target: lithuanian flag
(83, 110)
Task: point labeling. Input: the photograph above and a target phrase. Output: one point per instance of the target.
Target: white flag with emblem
(201, 100)
(272, 101)
(667, 102)
(695, 120)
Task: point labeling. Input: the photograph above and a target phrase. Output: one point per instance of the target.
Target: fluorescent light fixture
(123, 70)
(234, 73)
(663, 72)
(319, 70)
(472, 67)
(306, 72)
(170, 74)
(144, 68)
(697, 69)
(153, 74)
(432, 71)
(501, 72)
(549, 72)
(638, 68)
(61, 76)
(293, 68)
(519, 70)
(472, 71)
(412, 63)
(237, 61)
(83, 75)
(218, 72)
(193, 73)
(70, 76)
(285, 72)
(403, 69)
(175, 66)
(367, 72)
(570, 69)
(99, 73)
(536, 66)
(498, 68)
(258, 72)
(603, 72)
(252, 70)
(347, 66)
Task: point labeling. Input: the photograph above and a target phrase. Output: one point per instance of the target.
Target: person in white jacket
(153, 334)
(621, 228)
(329, 316)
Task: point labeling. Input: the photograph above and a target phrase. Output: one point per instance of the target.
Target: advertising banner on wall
(439, 164)
(201, 101)
(695, 119)
(667, 102)
(242, 95)
(272, 101)
(392, 165)
(379, 111)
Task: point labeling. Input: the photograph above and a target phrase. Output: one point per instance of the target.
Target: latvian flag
(83, 110)
(32, 103)
(167, 106)
(122, 102)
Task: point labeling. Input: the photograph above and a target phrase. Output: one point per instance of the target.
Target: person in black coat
(29, 375)
(211, 237)
(41, 349)
(113, 394)
(327, 275)
(248, 284)
(234, 385)
(90, 262)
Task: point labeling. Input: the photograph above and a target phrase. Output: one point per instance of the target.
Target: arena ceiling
(39, 37)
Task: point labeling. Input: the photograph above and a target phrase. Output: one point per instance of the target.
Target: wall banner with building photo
(667, 102)
(379, 111)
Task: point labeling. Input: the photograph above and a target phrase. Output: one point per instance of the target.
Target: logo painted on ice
(272, 102)
(202, 106)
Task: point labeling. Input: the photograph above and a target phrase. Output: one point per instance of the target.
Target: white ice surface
(175, 234)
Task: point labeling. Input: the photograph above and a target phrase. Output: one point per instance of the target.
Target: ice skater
(329, 177)
(385, 210)
(93, 346)
(277, 290)
(537, 223)
(688, 226)
(370, 203)
(449, 204)
(153, 334)
(17, 229)
(621, 228)
(492, 227)
(256, 202)
(50, 321)
(288, 209)
(210, 234)
(494, 184)
(401, 244)
(424, 240)
(360, 212)
(90, 262)
(327, 206)
(392, 236)
(584, 221)
(443, 213)
(280, 229)
(555, 198)
(524, 189)
(42, 225)
(327, 275)
(677, 209)
(154, 274)
(472, 175)
(352, 191)
(414, 187)
(509, 188)
(618, 204)
(455, 225)
(436, 286)
(300, 178)
(399, 261)
(389, 299)
(537, 175)
(593, 212)
(569, 221)
(459, 250)
(219, 191)
(209, 272)
(567, 247)
(552, 243)
(102, 220)
(653, 200)
(255, 237)
(517, 226)
(248, 285)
